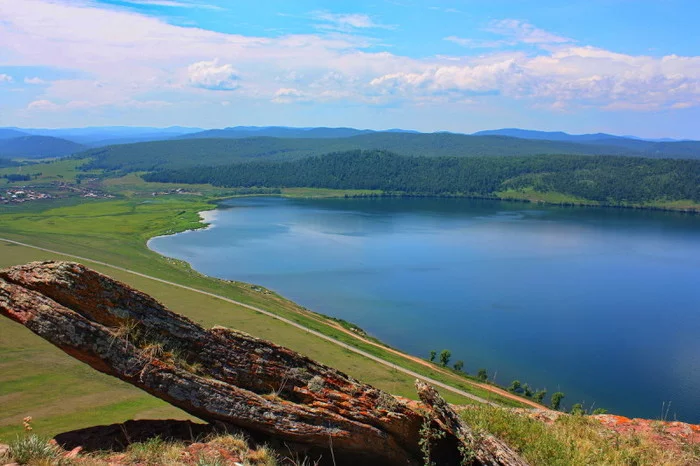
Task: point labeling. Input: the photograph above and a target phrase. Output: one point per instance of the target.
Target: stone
(219, 375)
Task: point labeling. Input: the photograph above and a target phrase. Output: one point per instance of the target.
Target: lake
(602, 304)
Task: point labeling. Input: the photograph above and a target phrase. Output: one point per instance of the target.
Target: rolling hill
(220, 151)
(38, 147)
(7, 133)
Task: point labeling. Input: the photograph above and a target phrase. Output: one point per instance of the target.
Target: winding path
(313, 332)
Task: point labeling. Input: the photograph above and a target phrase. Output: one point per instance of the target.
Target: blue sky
(619, 66)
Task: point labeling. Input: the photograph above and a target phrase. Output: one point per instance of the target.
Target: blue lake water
(602, 304)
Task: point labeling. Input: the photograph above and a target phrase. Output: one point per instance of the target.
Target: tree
(459, 365)
(433, 353)
(515, 386)
(555, 402)
(539, 395)
(578, 410)
(600, 411)
(527, 390)
(445, 356)
(482, 375)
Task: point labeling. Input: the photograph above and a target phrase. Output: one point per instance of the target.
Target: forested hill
(607, 180)
(37, 147)
(185, 153)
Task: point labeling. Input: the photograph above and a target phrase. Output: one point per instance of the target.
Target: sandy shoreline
(206, 217)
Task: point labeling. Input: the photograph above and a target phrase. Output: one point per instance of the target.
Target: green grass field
(62, 394)
(529, 194)
(64, 170)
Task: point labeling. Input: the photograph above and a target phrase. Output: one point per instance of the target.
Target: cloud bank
(126, 59)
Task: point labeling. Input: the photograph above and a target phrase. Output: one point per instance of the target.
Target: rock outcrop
(224, 376)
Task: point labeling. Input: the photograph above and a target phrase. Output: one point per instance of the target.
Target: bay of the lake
(601, 304)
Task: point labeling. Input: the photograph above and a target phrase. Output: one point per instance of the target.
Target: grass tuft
(32, 448)
(572, 440)
(154, 451)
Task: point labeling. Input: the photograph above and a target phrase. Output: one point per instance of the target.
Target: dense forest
(609, 180)
(148, 156)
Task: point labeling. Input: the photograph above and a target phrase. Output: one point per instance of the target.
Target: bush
(445, 356)
(555, 401)
(539, 395)
(577, 410)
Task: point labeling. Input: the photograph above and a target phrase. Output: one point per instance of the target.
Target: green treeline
(606, 179)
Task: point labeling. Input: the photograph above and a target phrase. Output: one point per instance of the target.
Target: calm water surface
(603, 305)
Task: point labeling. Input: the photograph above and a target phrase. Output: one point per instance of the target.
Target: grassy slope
(61, 170)
(578, 440)
(115, 231)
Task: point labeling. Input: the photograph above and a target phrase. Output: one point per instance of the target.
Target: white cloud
(128, 59)
(173, 4)
(570, 76)
(515, 32)
(210, 75)
(477, 43)
(288, 95)
(347, 22)
(43, 105)
(5, 78)
(522, 31)
(35, 81)
(445, 10)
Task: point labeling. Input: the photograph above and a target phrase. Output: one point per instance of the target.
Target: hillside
(175, 154)
(37, 147)
(607, 180)
(7, 133)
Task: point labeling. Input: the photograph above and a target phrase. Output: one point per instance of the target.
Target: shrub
(555, 401)
(515, 386)
(445, 356)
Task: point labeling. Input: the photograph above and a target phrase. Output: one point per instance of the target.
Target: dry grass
(574, 440)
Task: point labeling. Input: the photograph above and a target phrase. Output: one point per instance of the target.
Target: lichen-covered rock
(218, 375)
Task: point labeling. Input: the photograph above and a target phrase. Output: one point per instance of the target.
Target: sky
(628, 67)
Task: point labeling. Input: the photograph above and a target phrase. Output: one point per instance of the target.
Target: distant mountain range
(103, 135)
(561, 136)
(241, 132)
(18, 142)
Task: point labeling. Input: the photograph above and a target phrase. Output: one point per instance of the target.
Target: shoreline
(206, 220)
